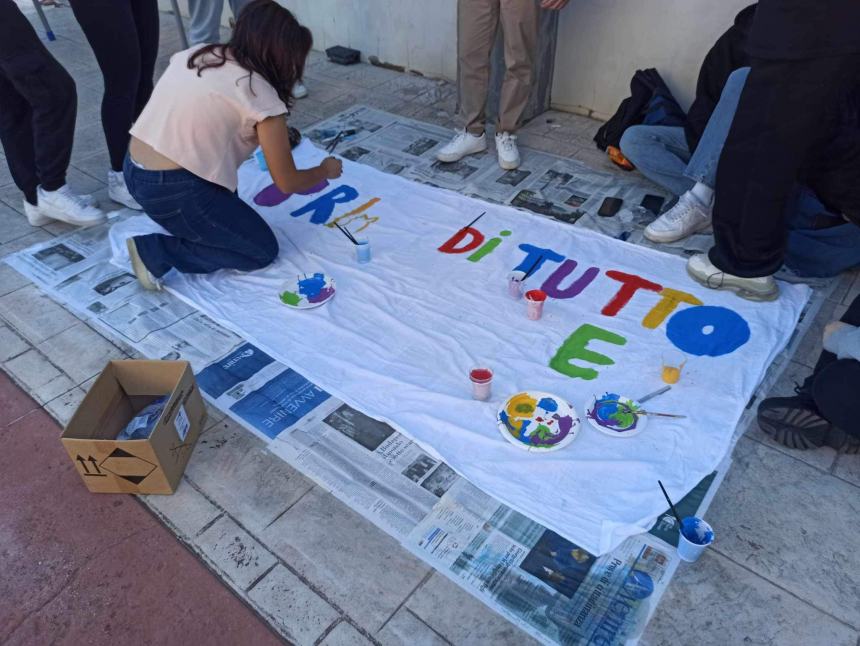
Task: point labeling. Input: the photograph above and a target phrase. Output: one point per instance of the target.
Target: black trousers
(38, 105)
(835, 383)
(124, 38)
(787, 111)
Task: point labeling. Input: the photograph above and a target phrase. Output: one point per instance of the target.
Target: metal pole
(44, 20)
(179, 24)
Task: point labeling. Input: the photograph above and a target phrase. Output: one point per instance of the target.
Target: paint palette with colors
(615, 415)
(537, 421)
(307, 291)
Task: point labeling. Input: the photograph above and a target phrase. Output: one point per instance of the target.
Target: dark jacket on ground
(728, 54)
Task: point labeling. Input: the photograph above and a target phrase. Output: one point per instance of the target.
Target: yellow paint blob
(671, 374)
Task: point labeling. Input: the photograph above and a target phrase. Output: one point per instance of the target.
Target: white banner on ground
(399, 338)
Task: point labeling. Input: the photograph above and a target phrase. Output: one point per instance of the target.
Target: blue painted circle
(687, 331)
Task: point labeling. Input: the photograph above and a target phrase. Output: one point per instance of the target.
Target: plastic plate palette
(307, 291)
(615, 415)
(537, 421)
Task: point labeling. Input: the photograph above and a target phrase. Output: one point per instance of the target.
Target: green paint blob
(290, 298)
(576, 347)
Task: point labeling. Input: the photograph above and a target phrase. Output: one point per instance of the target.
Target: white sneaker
(506, 147)
(703, 271)
(144, 276)
(687, 217)
(118, 191)
(67, 206)
(464, 143)
(38, 219)
(300, 91)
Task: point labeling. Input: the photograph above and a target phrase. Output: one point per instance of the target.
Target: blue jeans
(210, 227)
(661, 153)
(205, 23)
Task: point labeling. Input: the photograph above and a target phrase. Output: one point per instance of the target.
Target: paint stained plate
(307, 291)
(537, 421)
(615, 415)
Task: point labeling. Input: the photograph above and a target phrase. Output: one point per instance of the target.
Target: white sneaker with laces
(66, 206)
(300, 90)
(464, 143)
(506, 147)
(687, 217)
(118, 191)
(703, 271)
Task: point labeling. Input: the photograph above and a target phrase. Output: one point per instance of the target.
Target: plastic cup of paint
(673, 364)
(362, 250)
(515, 284)
(482, 379)
(695, 536)
(535, 299)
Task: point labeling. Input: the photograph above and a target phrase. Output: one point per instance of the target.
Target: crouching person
(211, 108)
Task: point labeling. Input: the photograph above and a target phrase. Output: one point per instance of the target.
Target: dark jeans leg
(124, 39)
(786, 108)
(210, 227)
(38, 106)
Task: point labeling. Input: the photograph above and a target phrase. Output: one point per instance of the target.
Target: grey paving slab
(80, 352)
(790, 523)
(345, 635)
(234, 469)
(405, 629)
(810, 347)
(301, 614)
(63, 407)
(461, 618)
(11, 344)
(324, 90)
(715, 602)
(13, 225)
(34, 315)
(39, 378)
(187, 511)
(366, 76)
(547, 145)
(235, 552)
(36, 235)
(848, 468)
(375, 98)
(345, 557)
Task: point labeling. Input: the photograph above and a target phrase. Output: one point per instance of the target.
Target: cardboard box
(153, 465)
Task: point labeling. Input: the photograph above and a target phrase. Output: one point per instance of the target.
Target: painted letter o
(707, 330)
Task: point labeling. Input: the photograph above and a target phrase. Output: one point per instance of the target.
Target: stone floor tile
(34, 314)
(461, 618)
(186, 511)
(715, 602)
(375, 98)
(63, 407)
(409, 86)
(13, 225)
(95, 164)
(325, 90)
(366, 76)
(794, 374)
(39, 378)
(848, 468)
(405, 629)
(80, 352)
(786, 521)
(369, 586)
(234, 469)
(234, 552)
(292, 606)
(345, 635)
(810, 346)
(14, 402)
(11, 344)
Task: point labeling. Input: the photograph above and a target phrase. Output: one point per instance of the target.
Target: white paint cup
(535, 299)
(515, 284)
(482, 379)
(695, 536)
(362, 250)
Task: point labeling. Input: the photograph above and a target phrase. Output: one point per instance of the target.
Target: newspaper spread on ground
(554, 590)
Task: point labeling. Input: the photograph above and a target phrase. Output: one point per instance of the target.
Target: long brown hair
(267, 40)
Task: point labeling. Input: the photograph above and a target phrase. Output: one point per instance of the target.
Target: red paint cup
(535, 299)
(481, 378)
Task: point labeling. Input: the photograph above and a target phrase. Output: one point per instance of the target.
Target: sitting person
(821, 242)
(822, 412)
(209, 111)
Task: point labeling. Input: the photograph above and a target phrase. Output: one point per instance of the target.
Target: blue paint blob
(548, 404)
(697, 531)
(312, 286)
(707, 331)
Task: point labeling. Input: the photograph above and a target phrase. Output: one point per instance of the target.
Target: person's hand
(830, 328)
(553, 5)
(332, 167)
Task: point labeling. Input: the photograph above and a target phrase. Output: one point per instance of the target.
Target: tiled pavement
(785, 568)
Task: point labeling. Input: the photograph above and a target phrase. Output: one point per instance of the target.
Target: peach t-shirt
(206, 123)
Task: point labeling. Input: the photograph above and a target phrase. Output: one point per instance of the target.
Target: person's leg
(660, 153)
(16, 137)
(520, 21)
(477, 21)
(781, 115)
(110, 28)
(205, 22)
(145, 14)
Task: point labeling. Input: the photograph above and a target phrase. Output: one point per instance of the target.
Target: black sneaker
(796, 423)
